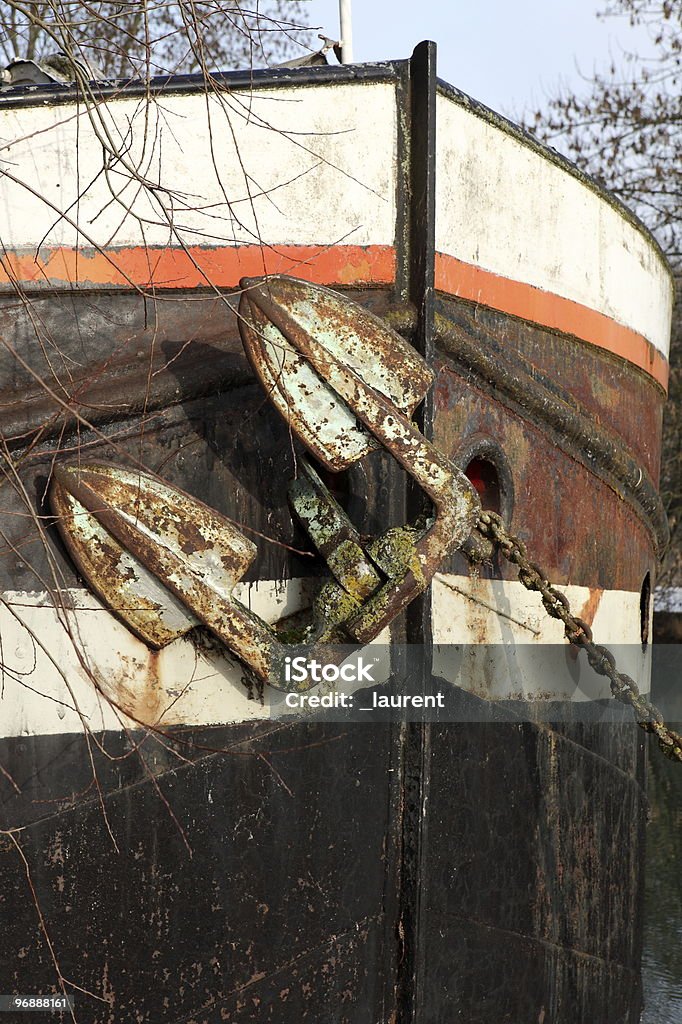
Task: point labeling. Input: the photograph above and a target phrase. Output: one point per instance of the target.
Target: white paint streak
(63, 669)
(511, 647)
(281, 165)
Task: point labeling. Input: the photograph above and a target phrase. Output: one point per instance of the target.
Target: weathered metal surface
(109, 358)
(559, 500)
(187, 547)
(530, 891)
(333, 534)
(492, 870)
(303, 314)
(604, 453)
(254, 877)
(320, 197)
(196, 553)
(199, 556)
(532, 231)
(125, 354)
(129, 590)
(607, 396)
(537, 398)
(276, 315)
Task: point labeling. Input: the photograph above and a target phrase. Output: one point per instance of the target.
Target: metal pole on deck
(346, 29)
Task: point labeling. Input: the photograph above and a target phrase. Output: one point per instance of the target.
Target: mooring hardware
(346, 384)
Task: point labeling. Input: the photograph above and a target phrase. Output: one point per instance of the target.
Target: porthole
(485, 464)
(484, 476)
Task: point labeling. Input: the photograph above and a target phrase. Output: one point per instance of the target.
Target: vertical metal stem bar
(421, 266)
(419, 274)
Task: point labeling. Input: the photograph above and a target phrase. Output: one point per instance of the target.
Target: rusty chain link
(491, 526)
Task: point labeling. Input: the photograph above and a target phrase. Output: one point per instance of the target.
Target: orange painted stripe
(197, 266)
(222, 267)
(454, 277)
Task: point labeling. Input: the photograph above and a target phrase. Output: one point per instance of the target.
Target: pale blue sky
(509, 55)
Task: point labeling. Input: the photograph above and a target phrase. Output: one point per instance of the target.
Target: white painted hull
(77, 668)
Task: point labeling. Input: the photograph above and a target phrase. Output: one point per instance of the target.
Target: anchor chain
(491, 526)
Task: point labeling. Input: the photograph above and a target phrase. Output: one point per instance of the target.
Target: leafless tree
(151, 37)
(626, 130)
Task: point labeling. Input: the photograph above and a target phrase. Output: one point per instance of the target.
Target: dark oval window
(484, 462)
(484, 476)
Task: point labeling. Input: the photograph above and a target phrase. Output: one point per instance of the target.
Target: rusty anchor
(346, 384)
(305, 338)
(165, 562)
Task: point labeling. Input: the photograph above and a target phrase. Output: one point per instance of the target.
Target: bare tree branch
(626, 130)
(132, 39)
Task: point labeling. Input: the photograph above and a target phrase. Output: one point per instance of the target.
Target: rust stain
(139, 691)
(589, 608)
(587, 614)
